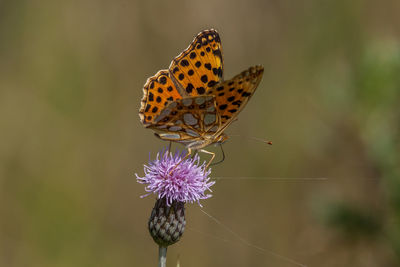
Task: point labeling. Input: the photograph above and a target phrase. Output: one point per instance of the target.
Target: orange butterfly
(190, 103)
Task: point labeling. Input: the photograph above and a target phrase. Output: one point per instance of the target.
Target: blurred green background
(71, 79)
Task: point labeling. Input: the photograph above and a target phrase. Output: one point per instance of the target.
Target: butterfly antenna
(254, 138)
(261, 140)
(223, 157)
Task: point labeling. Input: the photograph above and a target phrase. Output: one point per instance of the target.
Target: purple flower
(176, 180)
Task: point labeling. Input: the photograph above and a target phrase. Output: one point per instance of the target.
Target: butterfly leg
(212, 157)
(223, 157)
(169, 147)
(184, 158)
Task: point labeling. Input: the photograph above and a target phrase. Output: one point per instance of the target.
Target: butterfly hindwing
(200, 66)
(232, 95)
(158, 91)
(188, 118)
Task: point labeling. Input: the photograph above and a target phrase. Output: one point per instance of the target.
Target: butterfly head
(221, 139)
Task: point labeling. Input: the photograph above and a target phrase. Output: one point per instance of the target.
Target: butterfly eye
(222, 138)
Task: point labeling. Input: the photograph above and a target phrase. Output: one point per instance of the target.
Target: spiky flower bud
(167, 223)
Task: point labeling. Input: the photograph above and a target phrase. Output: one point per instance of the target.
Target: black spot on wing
(204, 78)
(223, 106)
(237, 102)
(184, 63)
(219, 72)
(163, 80)
(151, 97)
(245, 94)
(189, 88)
(211, 83)
(217, 53)
(200, 90)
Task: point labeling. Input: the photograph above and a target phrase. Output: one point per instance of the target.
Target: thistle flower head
(175, 179)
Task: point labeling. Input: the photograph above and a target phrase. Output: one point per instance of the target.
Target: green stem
(162, 256)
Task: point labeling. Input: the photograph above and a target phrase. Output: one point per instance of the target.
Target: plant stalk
(162, 256)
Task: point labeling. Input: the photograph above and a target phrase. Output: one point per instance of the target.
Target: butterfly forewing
(200, 66)
(158, 91)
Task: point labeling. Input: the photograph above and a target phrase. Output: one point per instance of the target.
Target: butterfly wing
(231, 96)
(158, 91)
(197, 69)
(191, 100)
(187, 120)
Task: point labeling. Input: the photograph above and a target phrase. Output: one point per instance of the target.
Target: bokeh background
(71, 78)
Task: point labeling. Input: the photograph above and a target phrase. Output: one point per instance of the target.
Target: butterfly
(191, 103)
